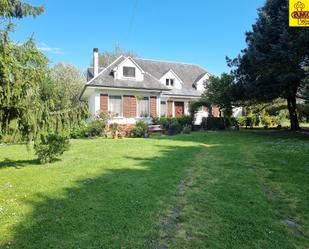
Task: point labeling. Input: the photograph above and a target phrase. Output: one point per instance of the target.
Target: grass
(203, 190)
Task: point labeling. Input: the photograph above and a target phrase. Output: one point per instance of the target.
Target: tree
(218, 91)
(29, 104)
(107, 57)
(67, 83)
(273, 64)
(18, 9)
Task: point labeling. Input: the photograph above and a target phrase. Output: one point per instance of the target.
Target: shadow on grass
(118, 209)
(22, 163)
(17, 163)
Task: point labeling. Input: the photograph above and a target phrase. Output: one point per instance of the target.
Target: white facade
(170, 75)
(128, 62)
(200, 84)
(179, 96)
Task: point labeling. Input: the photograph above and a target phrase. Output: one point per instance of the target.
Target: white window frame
(168, 82)
(129, 77)
(114, 95)
(137, 108)
(165, 108)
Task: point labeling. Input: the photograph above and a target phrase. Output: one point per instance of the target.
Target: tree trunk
(293, 114)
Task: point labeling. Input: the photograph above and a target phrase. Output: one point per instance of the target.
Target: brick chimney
(95, 62)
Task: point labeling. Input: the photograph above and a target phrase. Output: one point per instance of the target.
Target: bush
(10, 138)
(185, 120)
(213, 123)
(218, 123)
(241, 120)
(266, 120)
(187, 129)
(50, 147)
(165, 122)
(155, 120)
(174, 128)
(79, 131)
(140, 129)
(97, 127)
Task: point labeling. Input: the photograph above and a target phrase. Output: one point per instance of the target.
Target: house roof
(106, 78)
(189, 74)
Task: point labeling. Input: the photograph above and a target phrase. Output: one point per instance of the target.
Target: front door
(179, 109)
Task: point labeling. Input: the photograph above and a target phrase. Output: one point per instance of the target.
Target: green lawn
(215, 190)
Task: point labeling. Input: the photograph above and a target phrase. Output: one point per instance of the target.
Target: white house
(133, 88)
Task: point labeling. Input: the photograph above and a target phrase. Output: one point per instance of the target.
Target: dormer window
(169, 82)
(129, 72)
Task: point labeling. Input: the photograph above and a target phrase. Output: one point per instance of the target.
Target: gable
(125, 65)
(199, 83)
(171, 75)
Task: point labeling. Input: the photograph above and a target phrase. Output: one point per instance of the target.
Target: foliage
(97, 127)
(174, 128)
(187, 129)
(10, 138)
(165, 122)
(51, 146)
(196, 105)
(218, 123)
(79, 130)
(67, 83)
(155, 120)
(185, 120)
(218, 91)
(107, 57)
(18, 9)
(274, 63)
(28, 96)
(22, 70)
(140, 129)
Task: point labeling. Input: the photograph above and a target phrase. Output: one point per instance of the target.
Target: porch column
(159, 106)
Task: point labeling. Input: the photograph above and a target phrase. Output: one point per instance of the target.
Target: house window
(115, 106)
(163, 108)
(129, 72)
(169, 82)
(143, 107)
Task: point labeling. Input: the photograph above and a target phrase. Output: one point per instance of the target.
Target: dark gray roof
(90, 72)
(154, 70)
(106, 79)
(188, 73)
(184, 92)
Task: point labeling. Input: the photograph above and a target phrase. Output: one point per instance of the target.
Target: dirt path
(170, 223)
(272, 194)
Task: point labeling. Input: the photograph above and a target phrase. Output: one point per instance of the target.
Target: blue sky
(194, 31)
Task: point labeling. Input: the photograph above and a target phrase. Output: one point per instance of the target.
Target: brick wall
(104, 103)
(170, 108)
(129, 106)
(153, 106)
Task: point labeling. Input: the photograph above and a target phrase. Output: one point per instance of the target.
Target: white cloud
(45, 48)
